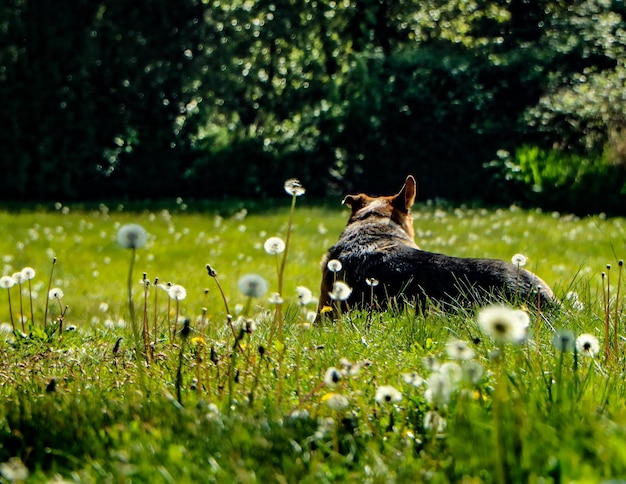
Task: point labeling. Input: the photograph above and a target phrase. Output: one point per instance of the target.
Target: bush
(558, 180)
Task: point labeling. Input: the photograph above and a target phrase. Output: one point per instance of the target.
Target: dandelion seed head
(300, 414)
(431, 363)
(439, 389)
(459, 350)
(177, 292)
(587, 345)
(372, 282)
(348, 368)
(247, 325)
(519, 260)
(332, 376)
(434, 422)
(452, 371)
(275, 298)
(335, 401)
(387, 394)
(14, 470)
(341, 291)
(55, 293)
(294, 188)
(574, 301)
(334, 265)
(412, 378)
(503, 324)
(17, 277)
(472, 371)
(252, 285)
(7, 282)
(305, 296)
(132, 236)
(274, 246)
(564, 340)
(28, 273)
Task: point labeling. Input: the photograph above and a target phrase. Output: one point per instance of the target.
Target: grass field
(213, 404)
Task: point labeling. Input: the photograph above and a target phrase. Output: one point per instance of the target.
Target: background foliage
(206, 99)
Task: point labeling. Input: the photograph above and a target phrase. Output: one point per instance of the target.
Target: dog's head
(395, 207)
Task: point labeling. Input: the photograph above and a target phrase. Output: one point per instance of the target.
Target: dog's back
(381, 260)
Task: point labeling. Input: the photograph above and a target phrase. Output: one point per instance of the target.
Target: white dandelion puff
(252, 285)
(335, 401)
(341, 291)
(7, 282)
(387, 394)
(459, 350)
(177, 292)
(332, 376)
(412, 378)
(28, 273)
(587, 345)
(519, 260)
(472, 371)
(275, 298)
(334, 265)
(503, 324)
(564, 340)
(305, 296)
(274, 246)
(452, 371)
(439, 389)
(55, 293)
(434, 422)
(132, 236)
(294, 188)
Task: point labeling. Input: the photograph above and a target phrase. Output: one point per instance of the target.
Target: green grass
(199, 411)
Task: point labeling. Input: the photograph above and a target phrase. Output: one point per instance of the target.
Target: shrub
(558, 180)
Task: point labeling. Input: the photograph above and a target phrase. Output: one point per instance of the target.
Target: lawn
(266, 396)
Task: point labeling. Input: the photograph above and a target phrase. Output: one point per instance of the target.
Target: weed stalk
(45, 314)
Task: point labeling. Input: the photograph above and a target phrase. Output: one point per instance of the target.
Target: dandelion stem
(10, 309)
(616, 318)
(608, 302)
(156, 281)
(131, 305)
(45, 314)
(30, 295)
(179, 371)
(607, 334)
(213, 274)
(498, 417)
(146, 338)
(19, 286)
(279, 307)
(172, 332)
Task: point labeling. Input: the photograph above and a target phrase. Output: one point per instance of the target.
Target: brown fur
(378, 242)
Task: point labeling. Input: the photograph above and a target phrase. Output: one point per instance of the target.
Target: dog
(381, 262)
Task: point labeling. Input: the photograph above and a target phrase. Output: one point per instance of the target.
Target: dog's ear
(355, 202)
(406, 196)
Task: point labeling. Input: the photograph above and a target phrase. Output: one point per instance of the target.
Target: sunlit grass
(204, 406)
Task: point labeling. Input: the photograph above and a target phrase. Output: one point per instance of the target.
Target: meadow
(214, 385)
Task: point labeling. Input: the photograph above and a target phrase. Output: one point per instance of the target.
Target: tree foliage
(221, 98)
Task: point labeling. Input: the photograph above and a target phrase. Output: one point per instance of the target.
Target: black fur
(374, 245)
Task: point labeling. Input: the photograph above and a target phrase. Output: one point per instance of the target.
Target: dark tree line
(207, 99)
